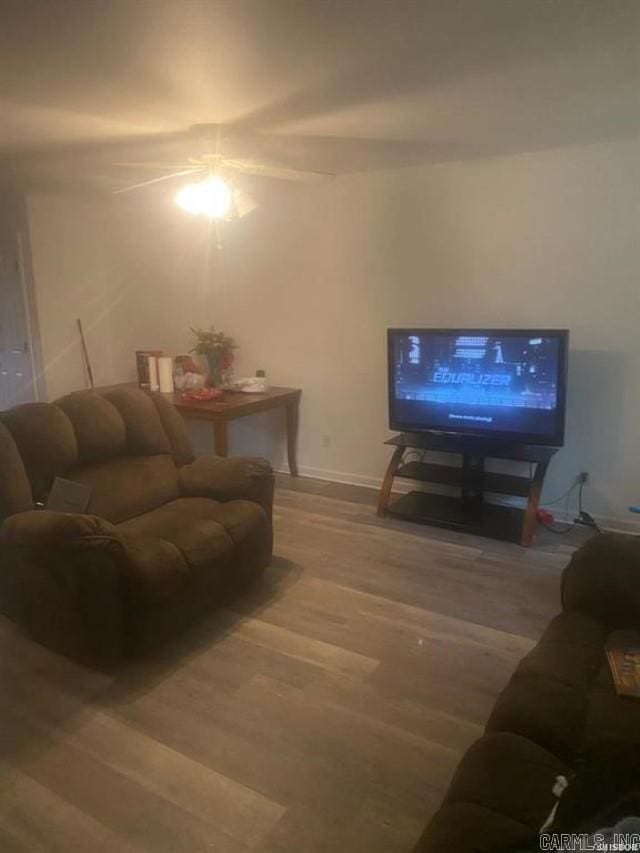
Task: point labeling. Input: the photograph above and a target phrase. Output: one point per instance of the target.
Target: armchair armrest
(249, 478)
(602, 580)
(41, 528)
(62, 579)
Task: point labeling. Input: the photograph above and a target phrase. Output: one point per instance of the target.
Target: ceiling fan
(213, 194)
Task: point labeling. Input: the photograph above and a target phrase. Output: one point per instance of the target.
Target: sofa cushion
(612, 726)
(202, 542)
(501, 794)
(602, 579)
(469, 828)
(191, 524)
(486, 775)
(546, 711)
(46, 442)
(15, 490)
(174, 546)
(174, 520)
(128, 486)
(98, 426)
(146, 435)
(239, 518)
(569, 651)
(175, 428)
(157, 571)
(546, 699)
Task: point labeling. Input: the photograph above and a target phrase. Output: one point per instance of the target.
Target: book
(623, 655)
(165, 374)
(68, 496)
(147, 366)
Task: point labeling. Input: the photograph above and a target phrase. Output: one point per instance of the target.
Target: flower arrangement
(218, 349)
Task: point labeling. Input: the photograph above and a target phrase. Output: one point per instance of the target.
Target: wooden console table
(469, 510)
(234, 405)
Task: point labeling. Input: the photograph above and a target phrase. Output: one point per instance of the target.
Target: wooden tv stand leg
(385, 489)
(530, 517)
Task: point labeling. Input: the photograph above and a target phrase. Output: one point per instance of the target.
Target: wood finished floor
(324, 712)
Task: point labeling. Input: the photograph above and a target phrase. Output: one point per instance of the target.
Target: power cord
(583, 518)
(561, 531)
(564, 495)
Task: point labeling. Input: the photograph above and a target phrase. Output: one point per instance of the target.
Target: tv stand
(469, 510)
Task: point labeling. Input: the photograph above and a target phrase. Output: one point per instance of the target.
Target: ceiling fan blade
(149, 164)
(266, 170)
(156, 180)
(243, 203)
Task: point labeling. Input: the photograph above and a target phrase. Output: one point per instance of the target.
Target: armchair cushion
(145, 432)
(189, 524)
(156, 570)
(128, 486)
(98, 425)
(239, 517)
(175, 428)
(201, 534)
(15, 490)
(45, 440)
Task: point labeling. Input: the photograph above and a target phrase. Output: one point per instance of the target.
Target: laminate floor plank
(37, 819)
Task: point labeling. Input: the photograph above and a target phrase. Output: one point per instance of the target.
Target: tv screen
(507, 383)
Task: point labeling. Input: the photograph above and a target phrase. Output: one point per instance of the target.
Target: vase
(214, 360)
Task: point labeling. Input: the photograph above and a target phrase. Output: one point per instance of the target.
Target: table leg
(292, 436)
(220, 442)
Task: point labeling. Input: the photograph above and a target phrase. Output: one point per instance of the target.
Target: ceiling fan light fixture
(211, 197)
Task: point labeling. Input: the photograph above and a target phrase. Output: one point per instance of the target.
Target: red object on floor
(545, 517)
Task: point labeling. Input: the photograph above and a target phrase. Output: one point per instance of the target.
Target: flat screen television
(503, 383)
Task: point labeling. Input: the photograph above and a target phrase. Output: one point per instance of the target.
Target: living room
(468, 166)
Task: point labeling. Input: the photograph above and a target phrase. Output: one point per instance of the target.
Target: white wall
(310, 281)
(75, 272)
(132, 268)
(545, 239)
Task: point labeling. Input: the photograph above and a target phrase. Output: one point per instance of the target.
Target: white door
(16, 365)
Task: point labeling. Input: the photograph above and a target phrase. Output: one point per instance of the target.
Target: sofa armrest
(247, 478)
(602, 580)
(62, 578)
(38, 528)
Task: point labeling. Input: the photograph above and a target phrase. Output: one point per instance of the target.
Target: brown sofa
(559, 706)
(164, 539)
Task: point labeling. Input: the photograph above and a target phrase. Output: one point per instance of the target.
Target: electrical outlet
(326, 441)
(583, 478)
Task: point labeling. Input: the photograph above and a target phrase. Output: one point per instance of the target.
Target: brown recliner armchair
(165, 537)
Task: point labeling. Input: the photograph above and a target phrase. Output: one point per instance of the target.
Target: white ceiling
(340, 85)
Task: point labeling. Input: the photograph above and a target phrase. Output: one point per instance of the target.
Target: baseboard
(613, 524)
(620, 524)
(401, 487)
